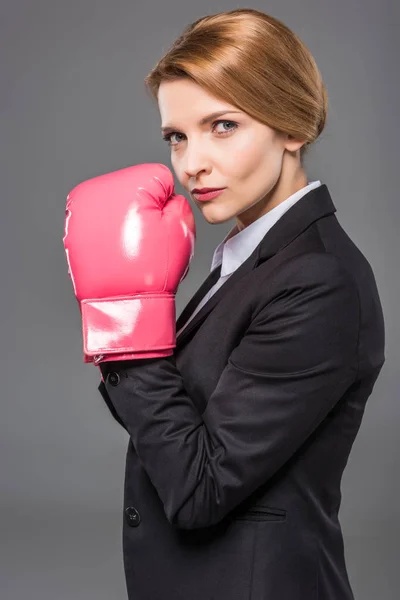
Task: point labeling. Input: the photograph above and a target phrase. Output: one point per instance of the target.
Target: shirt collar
(237, 246)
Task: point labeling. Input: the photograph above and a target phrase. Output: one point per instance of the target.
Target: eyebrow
(202, 121)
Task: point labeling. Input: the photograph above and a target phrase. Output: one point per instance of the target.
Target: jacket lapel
(244, 268)
(316, 204)
(207, 284)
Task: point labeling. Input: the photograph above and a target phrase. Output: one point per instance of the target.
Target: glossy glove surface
(129, 240)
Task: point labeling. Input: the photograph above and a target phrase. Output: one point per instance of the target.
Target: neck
(292, 179)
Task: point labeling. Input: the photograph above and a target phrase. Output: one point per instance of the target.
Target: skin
(259, 166)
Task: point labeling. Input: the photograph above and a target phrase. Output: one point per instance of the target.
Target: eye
(235, 125)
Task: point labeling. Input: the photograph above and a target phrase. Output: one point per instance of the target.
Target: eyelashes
(168, 136)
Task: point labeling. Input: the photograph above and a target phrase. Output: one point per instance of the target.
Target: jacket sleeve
(297, 358)
(103, 391)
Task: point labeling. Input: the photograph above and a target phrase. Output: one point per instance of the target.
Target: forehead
(183, 102)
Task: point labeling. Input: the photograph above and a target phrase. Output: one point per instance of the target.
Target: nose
(196, 161)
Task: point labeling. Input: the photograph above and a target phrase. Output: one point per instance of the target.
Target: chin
(214, 216)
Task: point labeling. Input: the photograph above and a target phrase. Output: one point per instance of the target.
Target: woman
(240, 429)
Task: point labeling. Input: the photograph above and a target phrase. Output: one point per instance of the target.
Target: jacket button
(132, 516)
(113, 378)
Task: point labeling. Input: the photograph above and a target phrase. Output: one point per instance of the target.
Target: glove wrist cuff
(129, 324)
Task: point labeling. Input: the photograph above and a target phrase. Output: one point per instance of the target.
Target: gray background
(73, 106)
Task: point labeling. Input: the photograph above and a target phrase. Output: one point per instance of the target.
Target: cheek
(257, 168)
(248, 155)
(269, 160)
(178, 172)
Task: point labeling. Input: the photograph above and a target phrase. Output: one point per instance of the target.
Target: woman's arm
(294, 363)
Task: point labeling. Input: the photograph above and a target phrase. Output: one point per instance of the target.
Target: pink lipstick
(207, 195)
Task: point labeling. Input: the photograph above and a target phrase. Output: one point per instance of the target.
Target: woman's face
(258, 166)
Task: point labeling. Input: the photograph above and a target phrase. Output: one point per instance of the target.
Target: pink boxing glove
(129, 240)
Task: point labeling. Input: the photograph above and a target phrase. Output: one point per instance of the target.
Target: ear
(293, 144)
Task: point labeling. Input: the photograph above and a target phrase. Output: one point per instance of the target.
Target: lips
(205, 190)
(208, 195)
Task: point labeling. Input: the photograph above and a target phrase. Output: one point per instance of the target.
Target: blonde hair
(254, 62)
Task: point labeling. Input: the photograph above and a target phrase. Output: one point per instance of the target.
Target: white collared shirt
(234, 251)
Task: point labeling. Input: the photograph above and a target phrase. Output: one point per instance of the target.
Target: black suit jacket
(237, 442)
